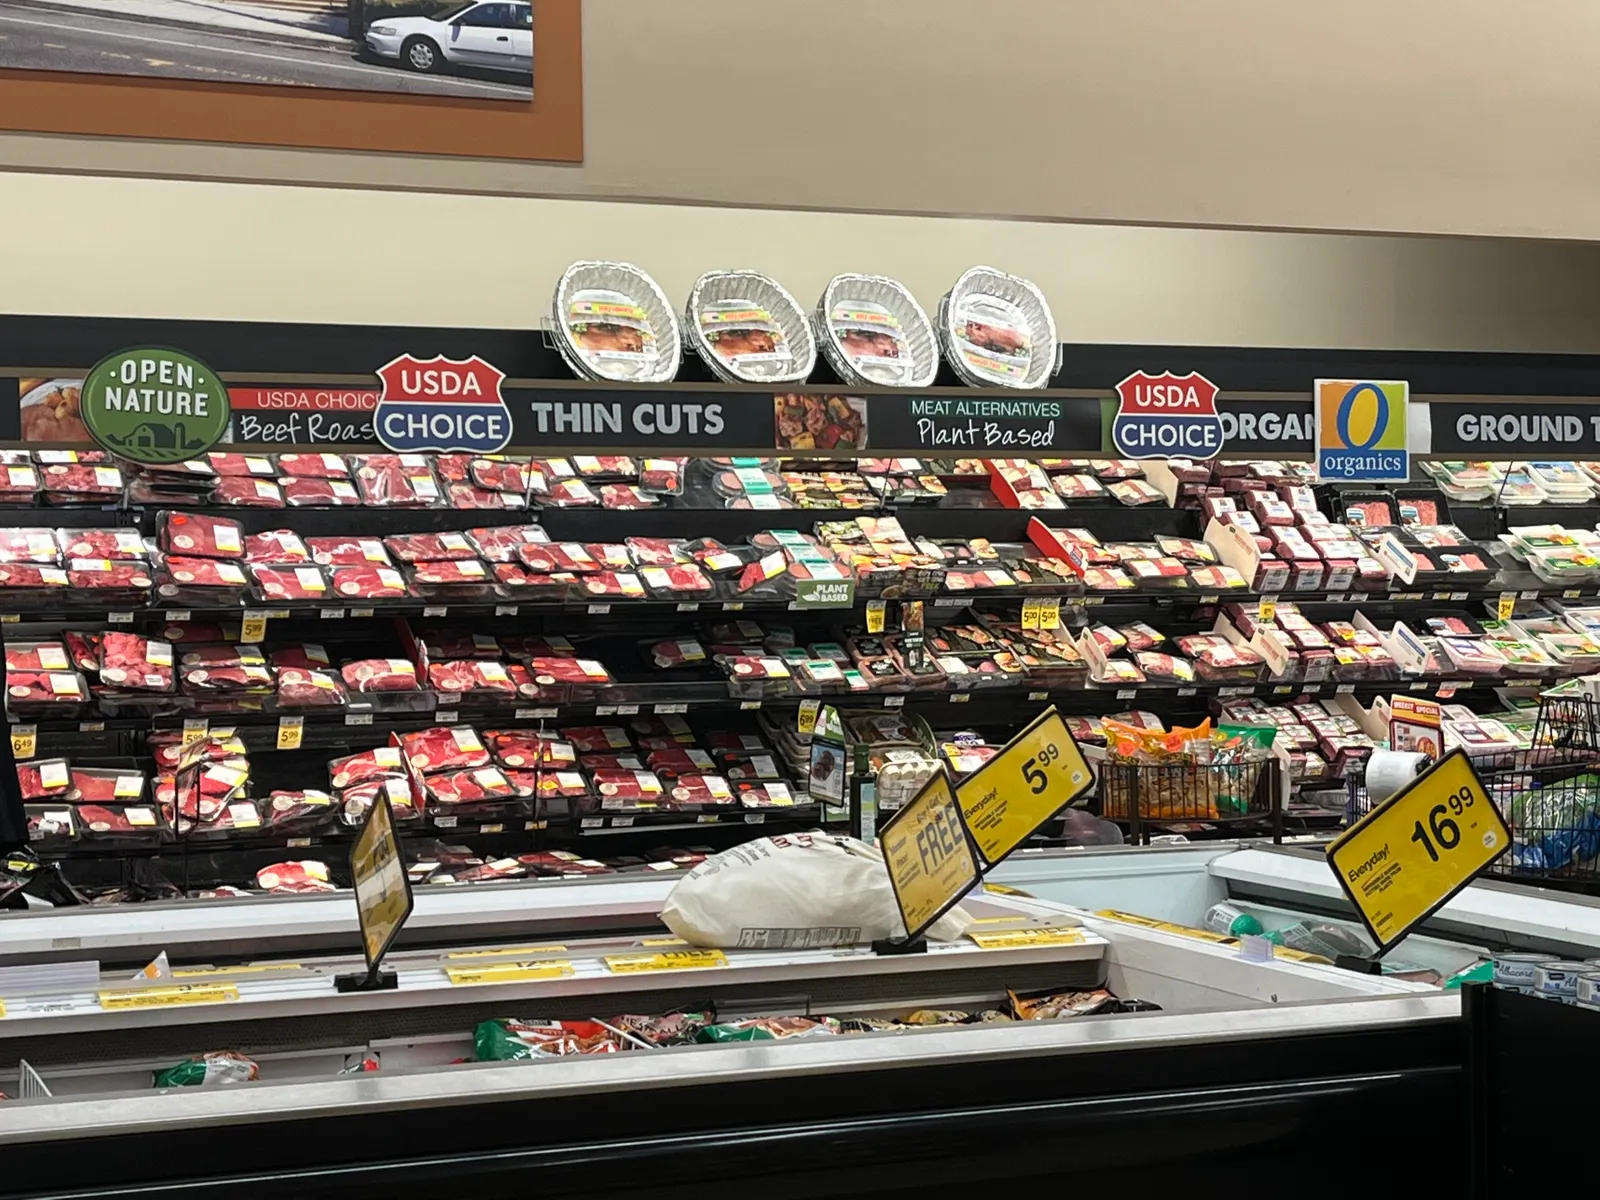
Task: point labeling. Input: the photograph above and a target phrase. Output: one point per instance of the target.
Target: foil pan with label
(748, 329)
(614, 323)
(874, 333)
(997, 330)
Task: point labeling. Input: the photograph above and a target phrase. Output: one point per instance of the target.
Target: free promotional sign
(1361, 431)
(1167, 416)
(1039, 773)
(442, 404)
(153, 405)
(929, 853)
(1411, 854)
(383, 892)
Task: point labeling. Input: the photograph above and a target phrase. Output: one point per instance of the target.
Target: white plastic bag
(792, 892)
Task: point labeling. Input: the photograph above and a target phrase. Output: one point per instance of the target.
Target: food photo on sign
(51, 410)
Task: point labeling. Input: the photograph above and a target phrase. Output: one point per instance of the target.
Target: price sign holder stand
(383, 897)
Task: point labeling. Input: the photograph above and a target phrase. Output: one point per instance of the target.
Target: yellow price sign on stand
(253, 626)
(1039, 773)
(929, 853)
(1030, 612)
(383, 891)
(1406, 858)
(1050, 613)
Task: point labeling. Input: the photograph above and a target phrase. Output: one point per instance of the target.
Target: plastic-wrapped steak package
(369, 583)
(453, 468)
(136, 663)
(297, 812)
(198, 536)
(95, 785)
(37, 545)
(17, 580)
(548, 784)
(770, 794)
(499, 544)
(627, 496)
(396, 481)
(381, 675)
(51, 823)
(290, 583)
(685, 581)
(204, 580)
(529, 748)
(444, 748)
(354, 801)
(120, 544)
(299, 688)
(557, 669)
(45, 779)
(319, 493)
(83, 648)
(658, 552)
(351, 551)
(226, 464)
(589, 739)
(125, 823)
(78, 482)
(500, 475)
(37, 656)
(291, 878)
(467, 577)
(314, 466)
(247, 493)
(613, 585)
(664, 476)
(627, 789)
(469, 786)
(37, 688)
(455, 643)
(377, 763)
(570, 493)
(230, 680)
(471, 675)
(430, 547)
(276, 546)
(107, 575)
(697, 790)
(222, 654)
(467, 496)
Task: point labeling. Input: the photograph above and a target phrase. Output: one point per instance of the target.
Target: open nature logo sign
(152, 405)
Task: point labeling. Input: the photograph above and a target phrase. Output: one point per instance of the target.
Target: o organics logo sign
(442, 404)
(155, 406)
(1167, 416)
(1361, 430)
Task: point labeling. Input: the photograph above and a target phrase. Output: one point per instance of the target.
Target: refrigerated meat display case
(1242, 1062)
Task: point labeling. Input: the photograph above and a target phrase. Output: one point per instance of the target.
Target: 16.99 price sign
(1406, 859)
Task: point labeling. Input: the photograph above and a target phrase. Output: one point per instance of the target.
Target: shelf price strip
(1405, 859)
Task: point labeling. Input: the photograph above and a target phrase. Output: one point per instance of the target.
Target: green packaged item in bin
(511, 1038)
(218, 1068)
(764, 1029)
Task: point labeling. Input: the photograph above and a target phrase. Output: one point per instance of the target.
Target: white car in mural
(496, 35)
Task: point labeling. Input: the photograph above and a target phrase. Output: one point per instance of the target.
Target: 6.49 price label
(1411, 854)
(1039, 772)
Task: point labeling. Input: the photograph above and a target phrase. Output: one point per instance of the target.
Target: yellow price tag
(253, 629)
(196, 729)
(929, 854)
(290, 732)
(1506, 606)
(1039, 772)
(1268, 609)
(806, 721)
(1050, 613)
(244, 969)
(1030, 613)
(507, 951)
(662, 941)
(24, 741)
(666, 960)
(877, 614)
(1008, 939)
(1408, 856)
(1188, 931)
(515, 971)
(187, 993)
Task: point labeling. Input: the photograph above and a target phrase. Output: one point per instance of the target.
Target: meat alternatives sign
(1167, 416)
(442, 404)
(152, 405)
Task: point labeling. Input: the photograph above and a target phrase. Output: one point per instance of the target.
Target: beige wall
(166, 248)
(1456, 116)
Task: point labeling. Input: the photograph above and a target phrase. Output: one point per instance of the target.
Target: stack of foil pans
(614, 324)
(748, 329)
(997, 330)
(874, 333)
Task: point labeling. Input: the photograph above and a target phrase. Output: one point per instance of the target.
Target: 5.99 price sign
(1406, 858)
(1039, 773)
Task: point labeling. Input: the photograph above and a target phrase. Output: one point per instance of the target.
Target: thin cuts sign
(153, 405)
(1167, 416)
(445, 405)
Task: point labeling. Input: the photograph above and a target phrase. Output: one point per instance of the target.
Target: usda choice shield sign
(447, 405)
(1167, 416)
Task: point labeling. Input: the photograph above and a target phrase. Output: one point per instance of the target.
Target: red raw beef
(47, 823)
(290, 583)
(598, 739)
(103, 573)
(449, 643)
(430, 547)
(29, 545)
(570, 784)
(470, 675)
(38, 656)
(296, 809)
(381, 675)
(202, 573)
(107, 787)
(240, 464)
(301, 492)
(305, 657)
(31, 778)
(356, 800)
(618, 788)
(465, 496)
(247, 493)
(276, 546)
(444, 748)
(500, 476)
(466, 787)
(81, 480)
(130, 661)
(662, 474)
(294, 877)
(396, 481)
(500, 868)
(189, 632)
(681, 581)
(679, 760)
(568, 670)
(299, 688)
(219, 747)
(369, 583)
(349, 552)
(226, 679)
(591, 466)
(656, 552)
(314, 466)
(96, 818)
(44, 687)
(84, 649)
(626, 496)
(201, 536)
(223, 654)
(612, 762)
(454, 573)
(377, 763)
(26, 577)
(528, 748)
(532, 646)
(453, 468)
(102, 543)
(500, 544)
(701, 789)
(677, 652)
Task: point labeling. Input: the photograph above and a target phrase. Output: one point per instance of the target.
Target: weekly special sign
(1361, 431)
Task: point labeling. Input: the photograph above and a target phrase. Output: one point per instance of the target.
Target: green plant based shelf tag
(152, 405)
